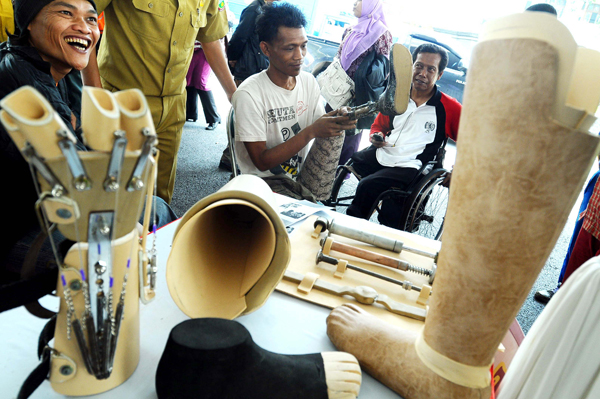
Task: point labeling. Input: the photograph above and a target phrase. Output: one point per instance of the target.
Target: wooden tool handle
(368, 255)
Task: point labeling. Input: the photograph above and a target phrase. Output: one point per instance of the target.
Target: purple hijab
(371, 25)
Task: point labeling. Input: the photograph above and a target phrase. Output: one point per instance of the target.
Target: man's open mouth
(78, 43)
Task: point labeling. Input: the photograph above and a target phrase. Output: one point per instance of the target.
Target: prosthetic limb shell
(135, 116)
(318, 171)
(127, 354)
(37, 121)
(128, 203)
(518, 173)
(100, 118)
(12, 129)
(229, 251)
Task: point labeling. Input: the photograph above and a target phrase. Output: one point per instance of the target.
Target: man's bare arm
(329, 125)
(216, 59)
(90, 74)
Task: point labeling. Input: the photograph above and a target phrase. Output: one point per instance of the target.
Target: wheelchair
(230, 126)
(423, 202)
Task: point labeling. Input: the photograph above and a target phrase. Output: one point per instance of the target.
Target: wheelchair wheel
(342, 191)
(426, 206)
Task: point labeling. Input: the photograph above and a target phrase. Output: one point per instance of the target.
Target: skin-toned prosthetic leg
(520, 166)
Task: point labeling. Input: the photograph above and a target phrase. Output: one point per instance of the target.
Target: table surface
(283, 325)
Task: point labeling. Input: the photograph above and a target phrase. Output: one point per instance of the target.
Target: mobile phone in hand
(377, 137)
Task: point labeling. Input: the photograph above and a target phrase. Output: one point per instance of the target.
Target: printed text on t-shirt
(280, 114)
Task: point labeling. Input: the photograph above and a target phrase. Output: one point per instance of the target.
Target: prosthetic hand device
(95, 199)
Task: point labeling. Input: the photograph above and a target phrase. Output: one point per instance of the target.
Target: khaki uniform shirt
(148, 44)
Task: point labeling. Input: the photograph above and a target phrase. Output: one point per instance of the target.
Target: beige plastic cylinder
(12, 129)
(100, 118)
(127, 353)
(135, 116)
(36, 120)
(516, 178)
(229, 252)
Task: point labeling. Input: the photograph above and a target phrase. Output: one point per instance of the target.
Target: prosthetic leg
(95, 199)
(318, 171)
(523, 156)
(396, 96)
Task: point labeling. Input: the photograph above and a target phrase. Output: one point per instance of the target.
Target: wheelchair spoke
(428, 212)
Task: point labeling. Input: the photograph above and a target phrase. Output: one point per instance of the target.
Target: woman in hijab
(370, 34)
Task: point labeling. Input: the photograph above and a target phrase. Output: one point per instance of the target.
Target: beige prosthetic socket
(79, 382)
(521, 162)
(229, 251)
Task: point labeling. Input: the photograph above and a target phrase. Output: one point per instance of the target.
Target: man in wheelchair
(403, 143)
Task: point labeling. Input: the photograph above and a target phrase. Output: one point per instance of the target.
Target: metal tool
(370, 238)
(329, 244)
(407, 285)
(364, 110)
(362, 294)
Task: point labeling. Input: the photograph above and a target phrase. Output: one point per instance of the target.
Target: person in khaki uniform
(148, 44)
(7, 22)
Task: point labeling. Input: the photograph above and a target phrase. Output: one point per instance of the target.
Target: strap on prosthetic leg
(458, 373)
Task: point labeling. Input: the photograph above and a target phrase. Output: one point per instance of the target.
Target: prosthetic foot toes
(388, 353)
(216, 358)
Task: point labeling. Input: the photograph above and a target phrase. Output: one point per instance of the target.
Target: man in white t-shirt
(278, 111)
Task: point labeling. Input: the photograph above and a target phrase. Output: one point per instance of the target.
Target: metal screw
(82, 183)
(66, 370)
(75, 285)
(136, 183)
(57, 191)
(100, 267)
(111, 184)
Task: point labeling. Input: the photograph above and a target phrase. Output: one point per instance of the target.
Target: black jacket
(20, 66)
(244, 46)
(370, 80)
